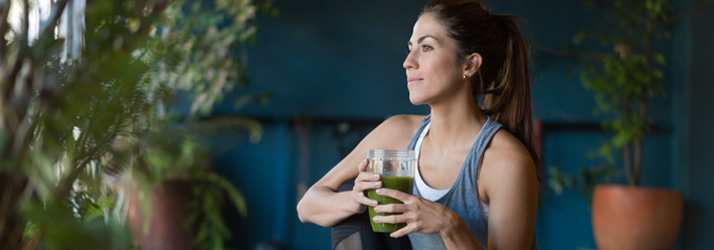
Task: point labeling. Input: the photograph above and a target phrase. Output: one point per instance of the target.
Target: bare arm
(323, 205)
(511, 185)
(458, 236)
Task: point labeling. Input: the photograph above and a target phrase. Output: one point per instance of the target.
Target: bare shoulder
(507, 162)
(404, 121)
(393, 133)
(507, 149)
(396, 132)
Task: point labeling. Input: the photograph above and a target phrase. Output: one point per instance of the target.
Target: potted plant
(176, 198)
(623, 80)
(73, 121)
(59, 114)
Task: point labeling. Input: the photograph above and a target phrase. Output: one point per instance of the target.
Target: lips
(414, 79)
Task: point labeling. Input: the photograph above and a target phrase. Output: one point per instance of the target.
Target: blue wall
(697, 120)
(329, 62)
(327, 58)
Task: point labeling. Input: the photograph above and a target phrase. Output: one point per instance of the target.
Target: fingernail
(379, 191)
(376, 176)
(377, 184)
(375, 203)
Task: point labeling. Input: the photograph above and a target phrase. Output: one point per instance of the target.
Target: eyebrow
(422, 39)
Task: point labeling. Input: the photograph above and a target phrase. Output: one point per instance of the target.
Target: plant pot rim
(629, 187)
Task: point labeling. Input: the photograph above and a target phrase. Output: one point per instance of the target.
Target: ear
(473, 63)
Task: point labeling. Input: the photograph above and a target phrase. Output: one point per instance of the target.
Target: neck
(456, 122)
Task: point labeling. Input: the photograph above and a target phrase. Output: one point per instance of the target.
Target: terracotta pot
(170, 208)
(634, 218)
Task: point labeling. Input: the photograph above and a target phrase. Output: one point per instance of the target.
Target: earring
(464, 77)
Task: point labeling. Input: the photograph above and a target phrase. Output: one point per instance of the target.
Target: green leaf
(658, 74)
(659, 58)
(248, 34)
(556, 186)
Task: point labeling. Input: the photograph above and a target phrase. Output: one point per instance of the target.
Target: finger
(396, 194)
(401, 232)
(367, 181)
(362, 167)
(391, 208)
(366, 185)
(390, 219)
(360, 198)
(364, 176)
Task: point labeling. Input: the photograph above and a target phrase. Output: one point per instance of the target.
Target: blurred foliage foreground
(78, 129)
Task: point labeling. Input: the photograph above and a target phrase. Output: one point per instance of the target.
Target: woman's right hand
(364, 181)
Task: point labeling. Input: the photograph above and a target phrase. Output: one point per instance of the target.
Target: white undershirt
(425, 190)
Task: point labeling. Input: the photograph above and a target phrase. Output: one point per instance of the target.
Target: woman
(478, 175)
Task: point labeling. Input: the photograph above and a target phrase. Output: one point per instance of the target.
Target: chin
(416, 100)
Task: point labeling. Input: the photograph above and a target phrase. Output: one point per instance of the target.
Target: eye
(425, 48)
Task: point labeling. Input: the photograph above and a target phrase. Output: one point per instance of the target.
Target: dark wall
(333, 59)
(698, 137)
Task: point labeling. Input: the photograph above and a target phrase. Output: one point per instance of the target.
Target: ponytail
(502, 83)
(508, 99)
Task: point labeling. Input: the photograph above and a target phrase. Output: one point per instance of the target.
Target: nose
(410, 62)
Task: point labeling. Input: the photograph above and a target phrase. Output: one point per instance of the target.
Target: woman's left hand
(421, 215)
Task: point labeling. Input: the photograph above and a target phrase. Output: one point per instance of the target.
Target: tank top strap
(484, 139)
(424, 122)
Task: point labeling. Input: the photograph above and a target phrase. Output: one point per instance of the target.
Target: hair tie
(506, 22)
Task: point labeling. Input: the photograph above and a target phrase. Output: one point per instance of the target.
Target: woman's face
(433, 73)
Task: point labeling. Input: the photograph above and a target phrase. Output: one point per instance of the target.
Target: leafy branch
(69, 127)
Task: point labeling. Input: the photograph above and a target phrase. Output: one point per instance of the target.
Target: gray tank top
(462, 198)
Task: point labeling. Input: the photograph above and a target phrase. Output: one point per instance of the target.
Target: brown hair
(503, 81)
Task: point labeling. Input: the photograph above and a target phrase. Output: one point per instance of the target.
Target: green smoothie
(403, 184)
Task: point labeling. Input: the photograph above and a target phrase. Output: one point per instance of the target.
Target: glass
(396, 168)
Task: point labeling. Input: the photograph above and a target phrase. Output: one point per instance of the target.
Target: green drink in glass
(396, 168)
